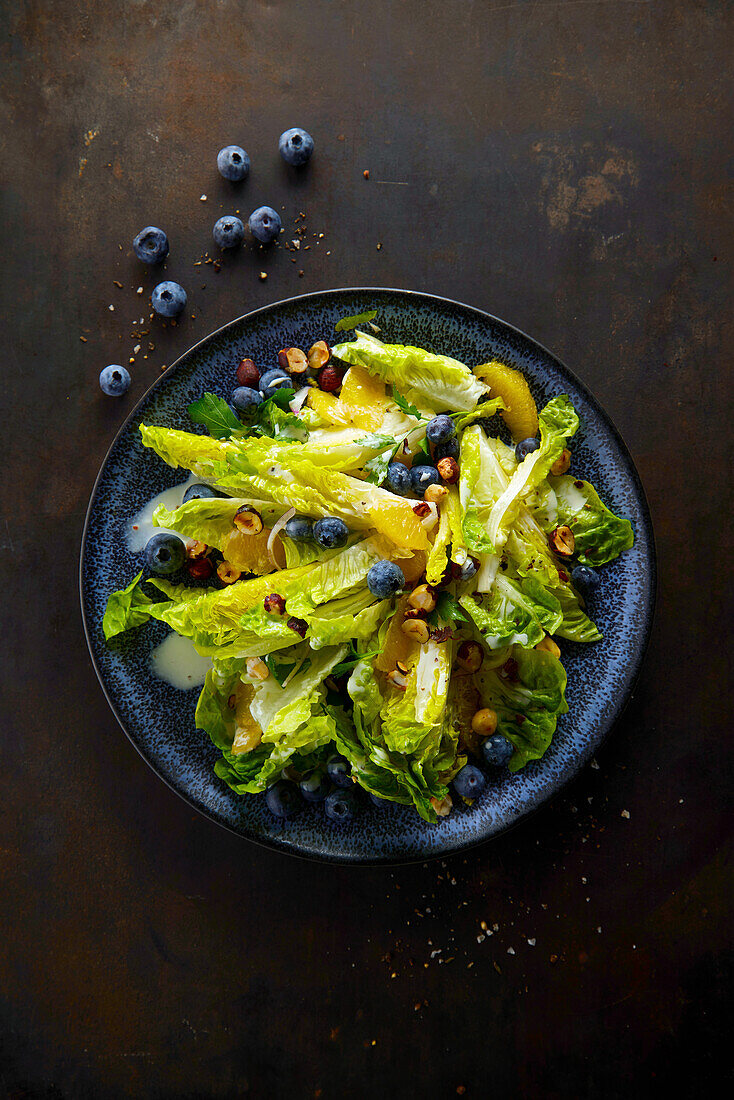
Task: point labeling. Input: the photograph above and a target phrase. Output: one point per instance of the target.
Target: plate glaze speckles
(159, 719)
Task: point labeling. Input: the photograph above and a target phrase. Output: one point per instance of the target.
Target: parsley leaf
(215, 415)
(448, 610)
(404, 405)
(347, 323)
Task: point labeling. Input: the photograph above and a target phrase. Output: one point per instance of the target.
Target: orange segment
(413, 567)
(327, 406)
(398, 646)
(521, 414)
(247, 731)
(398, 521)
(363, 399)
(250, 552)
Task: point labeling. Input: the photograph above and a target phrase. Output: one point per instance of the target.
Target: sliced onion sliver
(299, 399)
(277, 528)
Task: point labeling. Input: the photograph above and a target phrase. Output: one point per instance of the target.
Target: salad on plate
(378, 576)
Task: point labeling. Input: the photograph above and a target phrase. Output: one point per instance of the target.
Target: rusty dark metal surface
(563, 165)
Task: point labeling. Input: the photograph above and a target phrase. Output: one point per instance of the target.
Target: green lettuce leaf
(211, 519)
(482, 411)
(514, 612)
(600, 535)
(347, 323)
(126, 609)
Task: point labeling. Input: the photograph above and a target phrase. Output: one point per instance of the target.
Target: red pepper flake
(510, 670)
(563, 575)
(135, 527)
(519, 718)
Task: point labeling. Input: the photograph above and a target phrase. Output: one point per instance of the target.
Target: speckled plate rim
(554, 786)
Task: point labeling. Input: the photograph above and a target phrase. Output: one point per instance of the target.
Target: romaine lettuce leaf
(514, 612)
(600, 535)
(211, 519)
(127, 608)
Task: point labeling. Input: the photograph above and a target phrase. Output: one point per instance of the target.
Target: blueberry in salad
(265, 224)
(296, 146)
(359, 636)
(151, 245)
(201, 492)
(114, 380)
(168, 299)
(233, 163)
(228, 231)
(245, 399)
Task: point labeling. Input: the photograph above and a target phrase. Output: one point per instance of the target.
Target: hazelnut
(200, 569)
(248, 520)
(442, 806)
(484, 722)
(257, 669)
(562, 541)
(227, 573)
(330, 379)
(448, 469)
(248, 374)
(423, 598)
(319, 355)
(299, 625)
(397, 678)
(422, 509)
(195, 548)
(562, 463)
(470, 656)
(417, 629)
(402, 667)
(435, 493)
(549, 646)
(274, 604)
(442, 634)
(293, 360)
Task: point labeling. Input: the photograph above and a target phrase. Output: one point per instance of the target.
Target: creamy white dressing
(176, 661)
(571, 496)
(141, 528)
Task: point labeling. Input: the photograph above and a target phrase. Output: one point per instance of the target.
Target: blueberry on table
(397, 478)
(114, 380)
(264, 224)
(526, 447)
(341, 806)
(168, 299)
(233, 163)
(296, 146)
(300, 529)
(449, 449)
(245, 399)
(273, 380)
(228, 231)
(164, 553)
(314, 786)
(151, 245)
(200, 492)
(497, 751)
(385, 579)
(421, 477)
(330, 533)
(469, 782)
(440, 429)
(338, 771)
(283, 799)
(583, 576)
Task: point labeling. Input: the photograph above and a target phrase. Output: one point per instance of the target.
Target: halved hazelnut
(397, 678)
(470, 656)
(227, 572)
(248, 520)
(319, 355)
(274, 604)
(195, 548)
(562, 541)
(422, 509)
(448, 469)
(562, 463)
(435, 493)
(484, 722)
(257, 669)
(200, 569)
(299, 625)
(417, 629)
(442, 806)
(549, 646)
(423, 598)
(293, 360)
(402, 667)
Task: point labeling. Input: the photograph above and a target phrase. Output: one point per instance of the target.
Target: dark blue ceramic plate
(160, 719)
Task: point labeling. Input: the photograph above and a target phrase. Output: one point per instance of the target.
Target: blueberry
(314, 786)
(385, 579)
(330, 533)
(526, 447)
(114, 380)
(283, 799)
(342, 805)
(420, 458)
(338, 770)
(168, 299)
(300, 529)
(585, 577)
(244, 399)
(469, 782)
(449, 449)
(233, 163)
(164, 553)
(264, 224)
(228, 231)
(469, 569)
(497, 750)
(273, 380)
(296, 146)
(200, 492)
(397, 478)
(151, 245)
(421, 477)
(440, 429)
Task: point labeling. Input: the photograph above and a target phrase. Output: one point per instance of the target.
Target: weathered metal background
(564, 165)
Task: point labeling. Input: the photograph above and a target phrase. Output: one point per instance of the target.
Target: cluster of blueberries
(341, 797)
(169, 298)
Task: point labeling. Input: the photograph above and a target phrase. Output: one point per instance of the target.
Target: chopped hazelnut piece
(248, 520)
(195, 548)
(227, 573)
(562, 541)
(422, 508)
(257, 669)
(397, 678)
(442, 806)
(417, 629)
(319, 355)
(448, 469)
(423, 598)
(435, 493)
(562, 463)
(293, 360)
